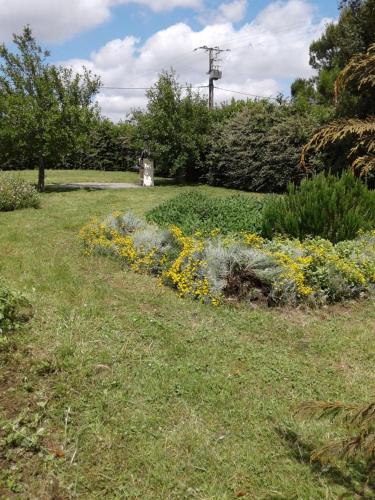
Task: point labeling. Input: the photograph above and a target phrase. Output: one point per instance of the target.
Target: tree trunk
(41, 174)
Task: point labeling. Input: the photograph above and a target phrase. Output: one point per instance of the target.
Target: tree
(352, 34)
(109, 146)
(45, 110)
(351, 139)
(175, 128)
(304, 87)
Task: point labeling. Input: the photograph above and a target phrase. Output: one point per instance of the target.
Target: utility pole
(214, 72)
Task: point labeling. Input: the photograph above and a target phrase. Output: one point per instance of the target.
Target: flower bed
(241, 267)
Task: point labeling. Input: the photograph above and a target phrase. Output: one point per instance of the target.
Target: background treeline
(251, 145)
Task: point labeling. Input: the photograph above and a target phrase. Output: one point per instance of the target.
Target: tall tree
(175, 128)
(351, 138)
(45, 110)
(353, 33)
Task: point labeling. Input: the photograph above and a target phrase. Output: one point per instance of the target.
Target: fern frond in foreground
(360, 70)
(358, 419)
(360, 132)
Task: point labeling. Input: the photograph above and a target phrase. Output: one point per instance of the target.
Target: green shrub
(334, 208)
(193, 211)
(15, 309)
(17, 193)
(258, 148)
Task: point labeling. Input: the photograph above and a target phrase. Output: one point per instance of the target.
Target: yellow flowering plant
(286, 271)
(187, 272)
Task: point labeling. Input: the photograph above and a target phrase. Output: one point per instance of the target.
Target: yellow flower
(253, 240)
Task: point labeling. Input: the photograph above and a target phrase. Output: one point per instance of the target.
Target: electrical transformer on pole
(214, 73)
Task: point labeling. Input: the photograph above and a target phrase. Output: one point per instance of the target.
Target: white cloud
(161, 5)
(265, 56)
(231, 12)
(57, 20)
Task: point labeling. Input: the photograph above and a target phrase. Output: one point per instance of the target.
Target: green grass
(152, 396)
(69, 176)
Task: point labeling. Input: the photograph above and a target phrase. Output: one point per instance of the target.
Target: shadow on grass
(161, 181)
(355, 480)
(65, 188)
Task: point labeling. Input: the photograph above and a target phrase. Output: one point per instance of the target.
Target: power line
(194, 88)
(125, 88)
(240, 38)
(246, 93)
(148, 88)
(231, 42)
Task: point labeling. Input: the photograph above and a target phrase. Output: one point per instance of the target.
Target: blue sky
(128, 42)
(142, 22)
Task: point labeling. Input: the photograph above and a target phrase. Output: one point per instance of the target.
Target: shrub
(258, 148)
(16, 193)
(109, 146)
(124, 223)
(334, 208)
(241, 266)
(15, 309)
(194, 211)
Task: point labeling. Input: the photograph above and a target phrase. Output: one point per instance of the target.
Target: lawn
(140, 393)
(69, 176)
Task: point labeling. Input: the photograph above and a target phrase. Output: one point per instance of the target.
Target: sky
(128, 42)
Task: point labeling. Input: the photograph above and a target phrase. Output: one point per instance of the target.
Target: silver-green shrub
(125, 223)
(233, 268)
(151, 238)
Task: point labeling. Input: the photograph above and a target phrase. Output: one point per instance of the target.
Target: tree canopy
(175, 127)
(351, 139)
(353, 34)
(45, 110)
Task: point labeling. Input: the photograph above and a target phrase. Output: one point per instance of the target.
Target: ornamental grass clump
(16, 193)
(241, 266)
(325, 206)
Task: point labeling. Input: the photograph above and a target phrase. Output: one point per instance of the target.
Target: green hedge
(258, 148)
